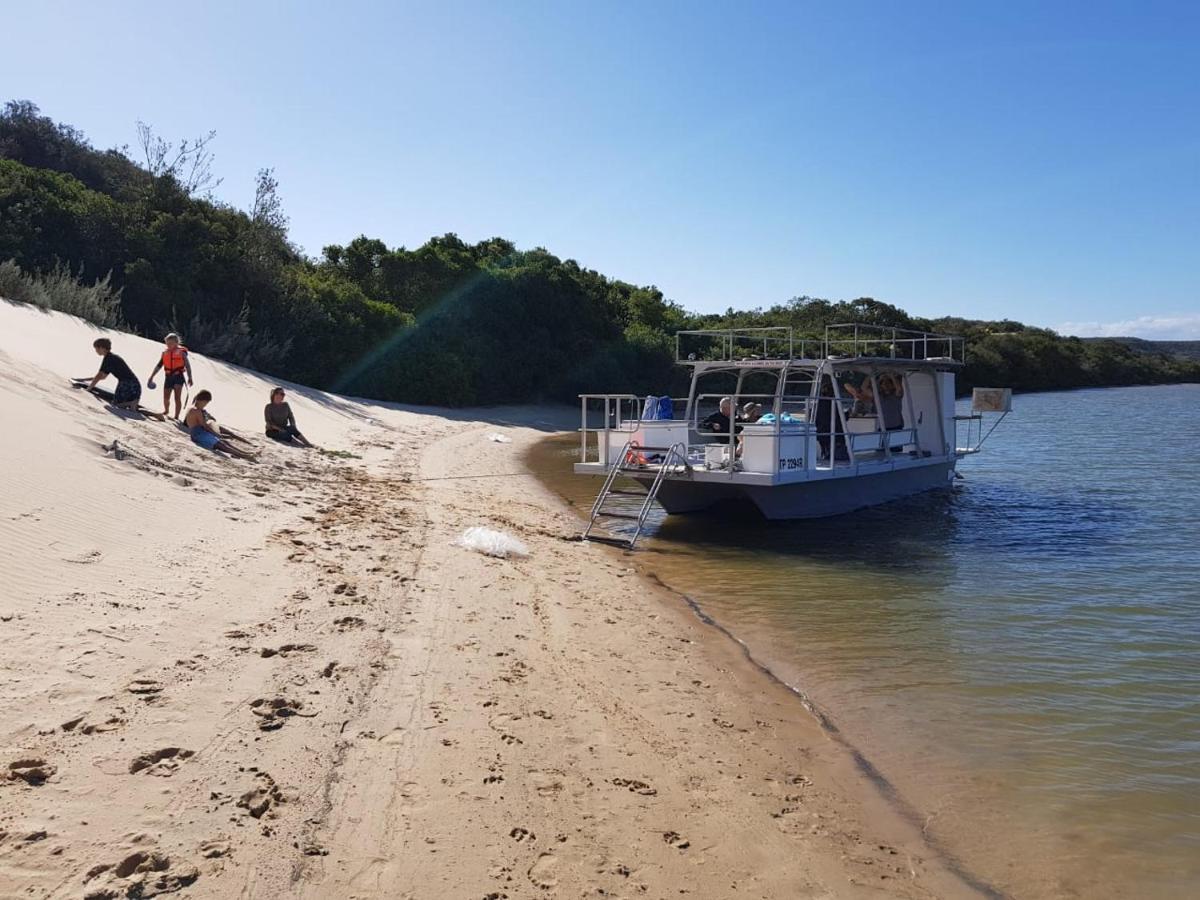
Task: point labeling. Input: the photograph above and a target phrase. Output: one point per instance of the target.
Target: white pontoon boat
(826, 438)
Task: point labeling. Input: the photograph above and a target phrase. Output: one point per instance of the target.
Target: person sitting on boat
(751, 412)
(891, 393)
(864, 398)
(720, 422)
(281, 424)
(129, 389)
(204, 431)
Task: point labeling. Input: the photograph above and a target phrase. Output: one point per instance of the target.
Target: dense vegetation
(449, 322)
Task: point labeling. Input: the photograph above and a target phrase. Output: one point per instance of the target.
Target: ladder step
(623, 493)
(618, 515)
(623, 543)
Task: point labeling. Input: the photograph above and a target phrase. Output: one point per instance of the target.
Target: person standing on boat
(891, 393)
(721, 422)
(864, 398)
(829, 423)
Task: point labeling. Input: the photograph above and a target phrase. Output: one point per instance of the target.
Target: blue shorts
(128, 391)
(174, 379)
(204, 438)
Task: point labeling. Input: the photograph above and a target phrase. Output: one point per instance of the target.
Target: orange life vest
(173, 360)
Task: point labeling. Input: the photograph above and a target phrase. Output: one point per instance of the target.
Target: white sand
(285, 679)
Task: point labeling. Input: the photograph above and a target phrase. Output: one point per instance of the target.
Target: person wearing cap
(177, 367)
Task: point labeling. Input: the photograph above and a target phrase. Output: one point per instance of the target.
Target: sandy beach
(286, 679)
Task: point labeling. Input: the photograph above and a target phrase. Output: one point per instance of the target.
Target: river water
(1019, 656)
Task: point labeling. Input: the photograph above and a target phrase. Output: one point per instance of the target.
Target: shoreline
(286, 679)
(887, 790)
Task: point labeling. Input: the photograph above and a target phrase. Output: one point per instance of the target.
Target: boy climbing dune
(128, 391)
(177, 367)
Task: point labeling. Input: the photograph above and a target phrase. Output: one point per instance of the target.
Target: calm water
(1020, 656)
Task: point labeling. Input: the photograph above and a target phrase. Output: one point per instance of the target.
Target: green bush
(61, 290)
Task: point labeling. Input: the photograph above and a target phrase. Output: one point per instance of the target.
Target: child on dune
(176, 367)
(203, 430)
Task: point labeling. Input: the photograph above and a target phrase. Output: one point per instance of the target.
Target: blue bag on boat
(666, 408)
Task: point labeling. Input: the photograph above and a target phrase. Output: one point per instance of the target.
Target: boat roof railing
(852, 340)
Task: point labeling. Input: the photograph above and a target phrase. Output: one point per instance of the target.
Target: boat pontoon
(809, 450)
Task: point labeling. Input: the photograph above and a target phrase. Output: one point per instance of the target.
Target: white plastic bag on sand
(499, 438)
(492, 543)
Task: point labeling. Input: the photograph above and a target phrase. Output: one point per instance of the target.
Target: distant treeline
(449, 322)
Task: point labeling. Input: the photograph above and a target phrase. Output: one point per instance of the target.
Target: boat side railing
(618, 413)
(854, 340)
(622, 415)
(733, 344)
(849, 340)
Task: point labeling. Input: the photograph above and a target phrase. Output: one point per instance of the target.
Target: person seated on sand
(864, 398)
(204, 430)
(281, 424)
(177, 368)
(719, 422)
(129, 389)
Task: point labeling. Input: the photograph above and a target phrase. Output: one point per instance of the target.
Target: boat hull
(812, 499)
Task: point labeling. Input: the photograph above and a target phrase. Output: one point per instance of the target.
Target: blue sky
(1039, 161)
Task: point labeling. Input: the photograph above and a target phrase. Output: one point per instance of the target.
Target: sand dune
(284, 679)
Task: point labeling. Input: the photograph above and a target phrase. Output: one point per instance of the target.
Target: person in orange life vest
(176, 366)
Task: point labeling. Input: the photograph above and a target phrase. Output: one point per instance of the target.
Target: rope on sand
(479, 475)
(120, 453)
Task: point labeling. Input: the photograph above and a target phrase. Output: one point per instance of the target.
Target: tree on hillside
(188, 164)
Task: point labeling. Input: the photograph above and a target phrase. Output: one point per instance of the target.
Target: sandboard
(109, 397)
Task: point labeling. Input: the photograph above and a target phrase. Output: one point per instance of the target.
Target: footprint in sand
(215, 849)
(109, 724)
(286, 650)
(544, 872)
(145, 688)
(274, 711)
(547, 784)
(141, 874)
(522, 835)
(635, 786)
(259, 800)
(84, 557)
(162, 762)
(34, 772)
(673, 838)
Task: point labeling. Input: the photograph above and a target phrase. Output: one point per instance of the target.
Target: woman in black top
(129, 389)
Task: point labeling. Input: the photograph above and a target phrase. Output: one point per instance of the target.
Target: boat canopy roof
(852, 345)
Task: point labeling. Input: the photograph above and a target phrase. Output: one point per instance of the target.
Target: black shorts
(174, 379)
(128, 391)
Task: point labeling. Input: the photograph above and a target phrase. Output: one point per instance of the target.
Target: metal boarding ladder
(673, 456)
